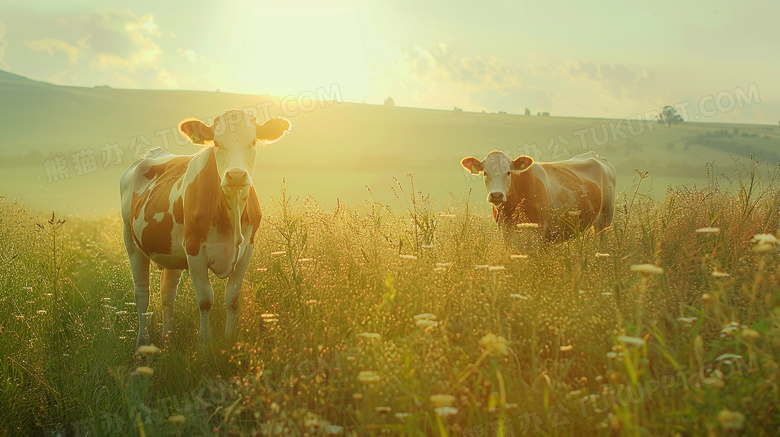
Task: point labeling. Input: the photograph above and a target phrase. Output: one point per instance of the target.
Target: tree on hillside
(669, 116)
(389, 102)
(527, 112)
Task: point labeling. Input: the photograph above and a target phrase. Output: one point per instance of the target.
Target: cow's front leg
(204, 295)
(169, 283)
(139, 265)
(233, 295)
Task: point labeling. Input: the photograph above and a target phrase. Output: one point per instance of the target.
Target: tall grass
(414, 319)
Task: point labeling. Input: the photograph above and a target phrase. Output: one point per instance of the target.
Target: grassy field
(412, 318)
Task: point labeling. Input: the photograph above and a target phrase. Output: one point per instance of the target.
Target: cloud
(66, 76)
(441, 75)
(118, 46)
(123, 41)
(192, 56)
(514, 100)
(51, 45)
(438, 75)
(3, 43)
(619, 80)
(441, 64)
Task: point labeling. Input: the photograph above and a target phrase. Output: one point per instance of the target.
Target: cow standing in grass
(197, 212)
(562, 198)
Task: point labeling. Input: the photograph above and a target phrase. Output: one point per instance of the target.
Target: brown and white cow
(198, 212)
(563, 198)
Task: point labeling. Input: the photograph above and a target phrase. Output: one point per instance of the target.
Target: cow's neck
(233, 204)
(521, 194)
(236, 204)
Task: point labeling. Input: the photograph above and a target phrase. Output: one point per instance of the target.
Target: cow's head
(234, 136)
(497, 171)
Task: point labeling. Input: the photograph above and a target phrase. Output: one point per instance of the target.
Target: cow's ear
(472, 164)
(272, 130)
(521, 163)
(196, 130)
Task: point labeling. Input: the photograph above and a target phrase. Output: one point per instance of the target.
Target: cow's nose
(236, 178)
(496, 197)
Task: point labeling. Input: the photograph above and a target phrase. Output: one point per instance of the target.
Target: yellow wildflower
(494, 344)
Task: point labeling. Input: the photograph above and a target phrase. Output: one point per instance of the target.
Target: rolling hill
(336, 149)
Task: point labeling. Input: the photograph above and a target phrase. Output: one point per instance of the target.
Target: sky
(716, 61)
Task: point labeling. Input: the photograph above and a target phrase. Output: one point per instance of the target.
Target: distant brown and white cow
(563, 198)
(198, 212)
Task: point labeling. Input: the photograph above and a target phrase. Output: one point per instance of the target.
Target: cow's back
(584, 187)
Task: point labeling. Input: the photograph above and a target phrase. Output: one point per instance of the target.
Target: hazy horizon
(747, 96)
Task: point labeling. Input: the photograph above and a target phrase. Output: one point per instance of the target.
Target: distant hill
(336, 149)
(43, 117)
(5, 75)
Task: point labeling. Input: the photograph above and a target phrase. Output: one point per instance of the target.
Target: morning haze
(373, 217)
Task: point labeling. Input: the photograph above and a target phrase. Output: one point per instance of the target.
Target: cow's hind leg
(169, 283)
(233, 295)
(139, 265)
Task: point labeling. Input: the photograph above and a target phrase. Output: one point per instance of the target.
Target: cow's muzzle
(496, 197)
(236, 179)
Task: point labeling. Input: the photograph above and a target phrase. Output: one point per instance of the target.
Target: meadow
(335, 148)
(412, 317)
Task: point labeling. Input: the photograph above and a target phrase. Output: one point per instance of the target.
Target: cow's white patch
(498, 175)
(235, 136)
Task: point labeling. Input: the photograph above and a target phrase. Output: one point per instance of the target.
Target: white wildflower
(446, 411)
(636, 341)
(367, 377)
(731, 420)
(442, 400)
(149, 349)
(647, 269)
